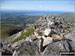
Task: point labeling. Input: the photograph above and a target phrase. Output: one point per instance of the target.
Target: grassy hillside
(14, 22)
(7, 31)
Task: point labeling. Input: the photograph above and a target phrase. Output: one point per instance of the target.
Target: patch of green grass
(71, 25)
(24, 35)
(69, 30)
(65, 28)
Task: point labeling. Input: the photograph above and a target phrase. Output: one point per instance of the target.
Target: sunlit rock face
(47, 31)
(47, 40)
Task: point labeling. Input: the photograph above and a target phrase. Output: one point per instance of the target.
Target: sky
(47, 5)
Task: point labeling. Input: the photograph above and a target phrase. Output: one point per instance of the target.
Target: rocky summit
(52, 35)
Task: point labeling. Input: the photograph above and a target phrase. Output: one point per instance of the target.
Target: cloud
(45, 7)
(48, 8)
(57, 8)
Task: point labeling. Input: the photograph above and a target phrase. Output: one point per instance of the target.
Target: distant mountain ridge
(68, 17)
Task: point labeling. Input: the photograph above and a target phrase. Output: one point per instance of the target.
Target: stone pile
(55, 23)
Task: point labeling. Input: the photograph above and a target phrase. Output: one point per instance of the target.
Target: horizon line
(33, 10)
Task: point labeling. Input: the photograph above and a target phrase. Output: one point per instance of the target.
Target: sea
(33, 12)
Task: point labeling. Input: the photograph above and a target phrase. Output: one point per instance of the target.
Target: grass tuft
(24, 35)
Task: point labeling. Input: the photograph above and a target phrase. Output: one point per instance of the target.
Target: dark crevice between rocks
(70, 47)
(42, 48)
(7, 53)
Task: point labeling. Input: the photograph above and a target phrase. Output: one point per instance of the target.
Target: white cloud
(49, 8)
(54, 8)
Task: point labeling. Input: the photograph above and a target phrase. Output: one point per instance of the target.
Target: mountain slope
(58, 25)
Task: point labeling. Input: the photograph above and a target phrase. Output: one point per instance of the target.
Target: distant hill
(70, 17)
(17, 19)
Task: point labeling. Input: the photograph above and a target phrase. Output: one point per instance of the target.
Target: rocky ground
(59, 25)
